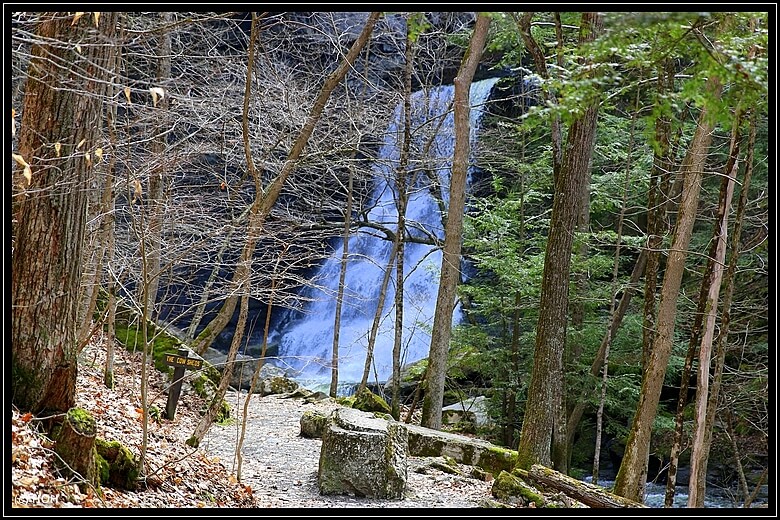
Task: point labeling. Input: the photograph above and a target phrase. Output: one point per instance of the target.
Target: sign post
(180, 362)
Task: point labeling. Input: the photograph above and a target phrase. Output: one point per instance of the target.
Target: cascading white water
(305, 344)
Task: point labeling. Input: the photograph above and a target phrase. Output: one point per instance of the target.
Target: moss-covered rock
(118, 467)
(368, 401)
(163, 344)
(313, 424)
(223, 414)
(277, 385)
(362, 456)
(512, 489)
(496, 459)
(446, 465)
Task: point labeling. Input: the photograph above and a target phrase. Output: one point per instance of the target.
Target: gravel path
(281, 466)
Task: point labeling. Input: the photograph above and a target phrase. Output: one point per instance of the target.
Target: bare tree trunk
(200, 309)
(450, 264)
(259, 365)
(156, 192)
(400, 237)
(730, 280)
(617, 318)
(708, 279)
(380, 305)
(543, 439)
(266, 198)
(632, 475)
(216, 402)
(110, 222)
(63, 101)
(656, 209)
(334, 378)
(697, 484)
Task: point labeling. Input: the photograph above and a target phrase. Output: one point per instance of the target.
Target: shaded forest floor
(176, 474)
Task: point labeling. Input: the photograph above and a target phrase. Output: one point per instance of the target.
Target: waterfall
(305, 343)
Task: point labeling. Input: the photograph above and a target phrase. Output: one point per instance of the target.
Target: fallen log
(589, 494)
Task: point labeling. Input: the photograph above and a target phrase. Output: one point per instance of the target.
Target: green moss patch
(117, 466)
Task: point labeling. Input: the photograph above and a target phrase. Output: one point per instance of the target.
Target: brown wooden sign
(180, 362)
(173, 360)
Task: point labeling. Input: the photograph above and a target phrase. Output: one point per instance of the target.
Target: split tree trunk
(632, 475)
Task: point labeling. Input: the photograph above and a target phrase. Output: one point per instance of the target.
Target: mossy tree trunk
(75, 444)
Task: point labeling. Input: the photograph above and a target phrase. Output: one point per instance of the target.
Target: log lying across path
(589, 494)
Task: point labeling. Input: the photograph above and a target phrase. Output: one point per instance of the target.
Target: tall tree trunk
(632, 475)
(63, 102)
(156, 194)
(453, 230)
(696, 331)
(244, 267)
(730, 280)
(266, 198)
(543, 438)
(656, 208)
(697, 483)
(334, 371)
(685, 377)
(110, 222)
(402, 199)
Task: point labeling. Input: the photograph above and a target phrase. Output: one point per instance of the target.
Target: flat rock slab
(426, 442)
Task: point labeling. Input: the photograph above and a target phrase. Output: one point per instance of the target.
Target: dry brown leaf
(96, 17)
(76, 19)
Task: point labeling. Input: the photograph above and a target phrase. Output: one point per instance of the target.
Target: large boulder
(363, 456)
